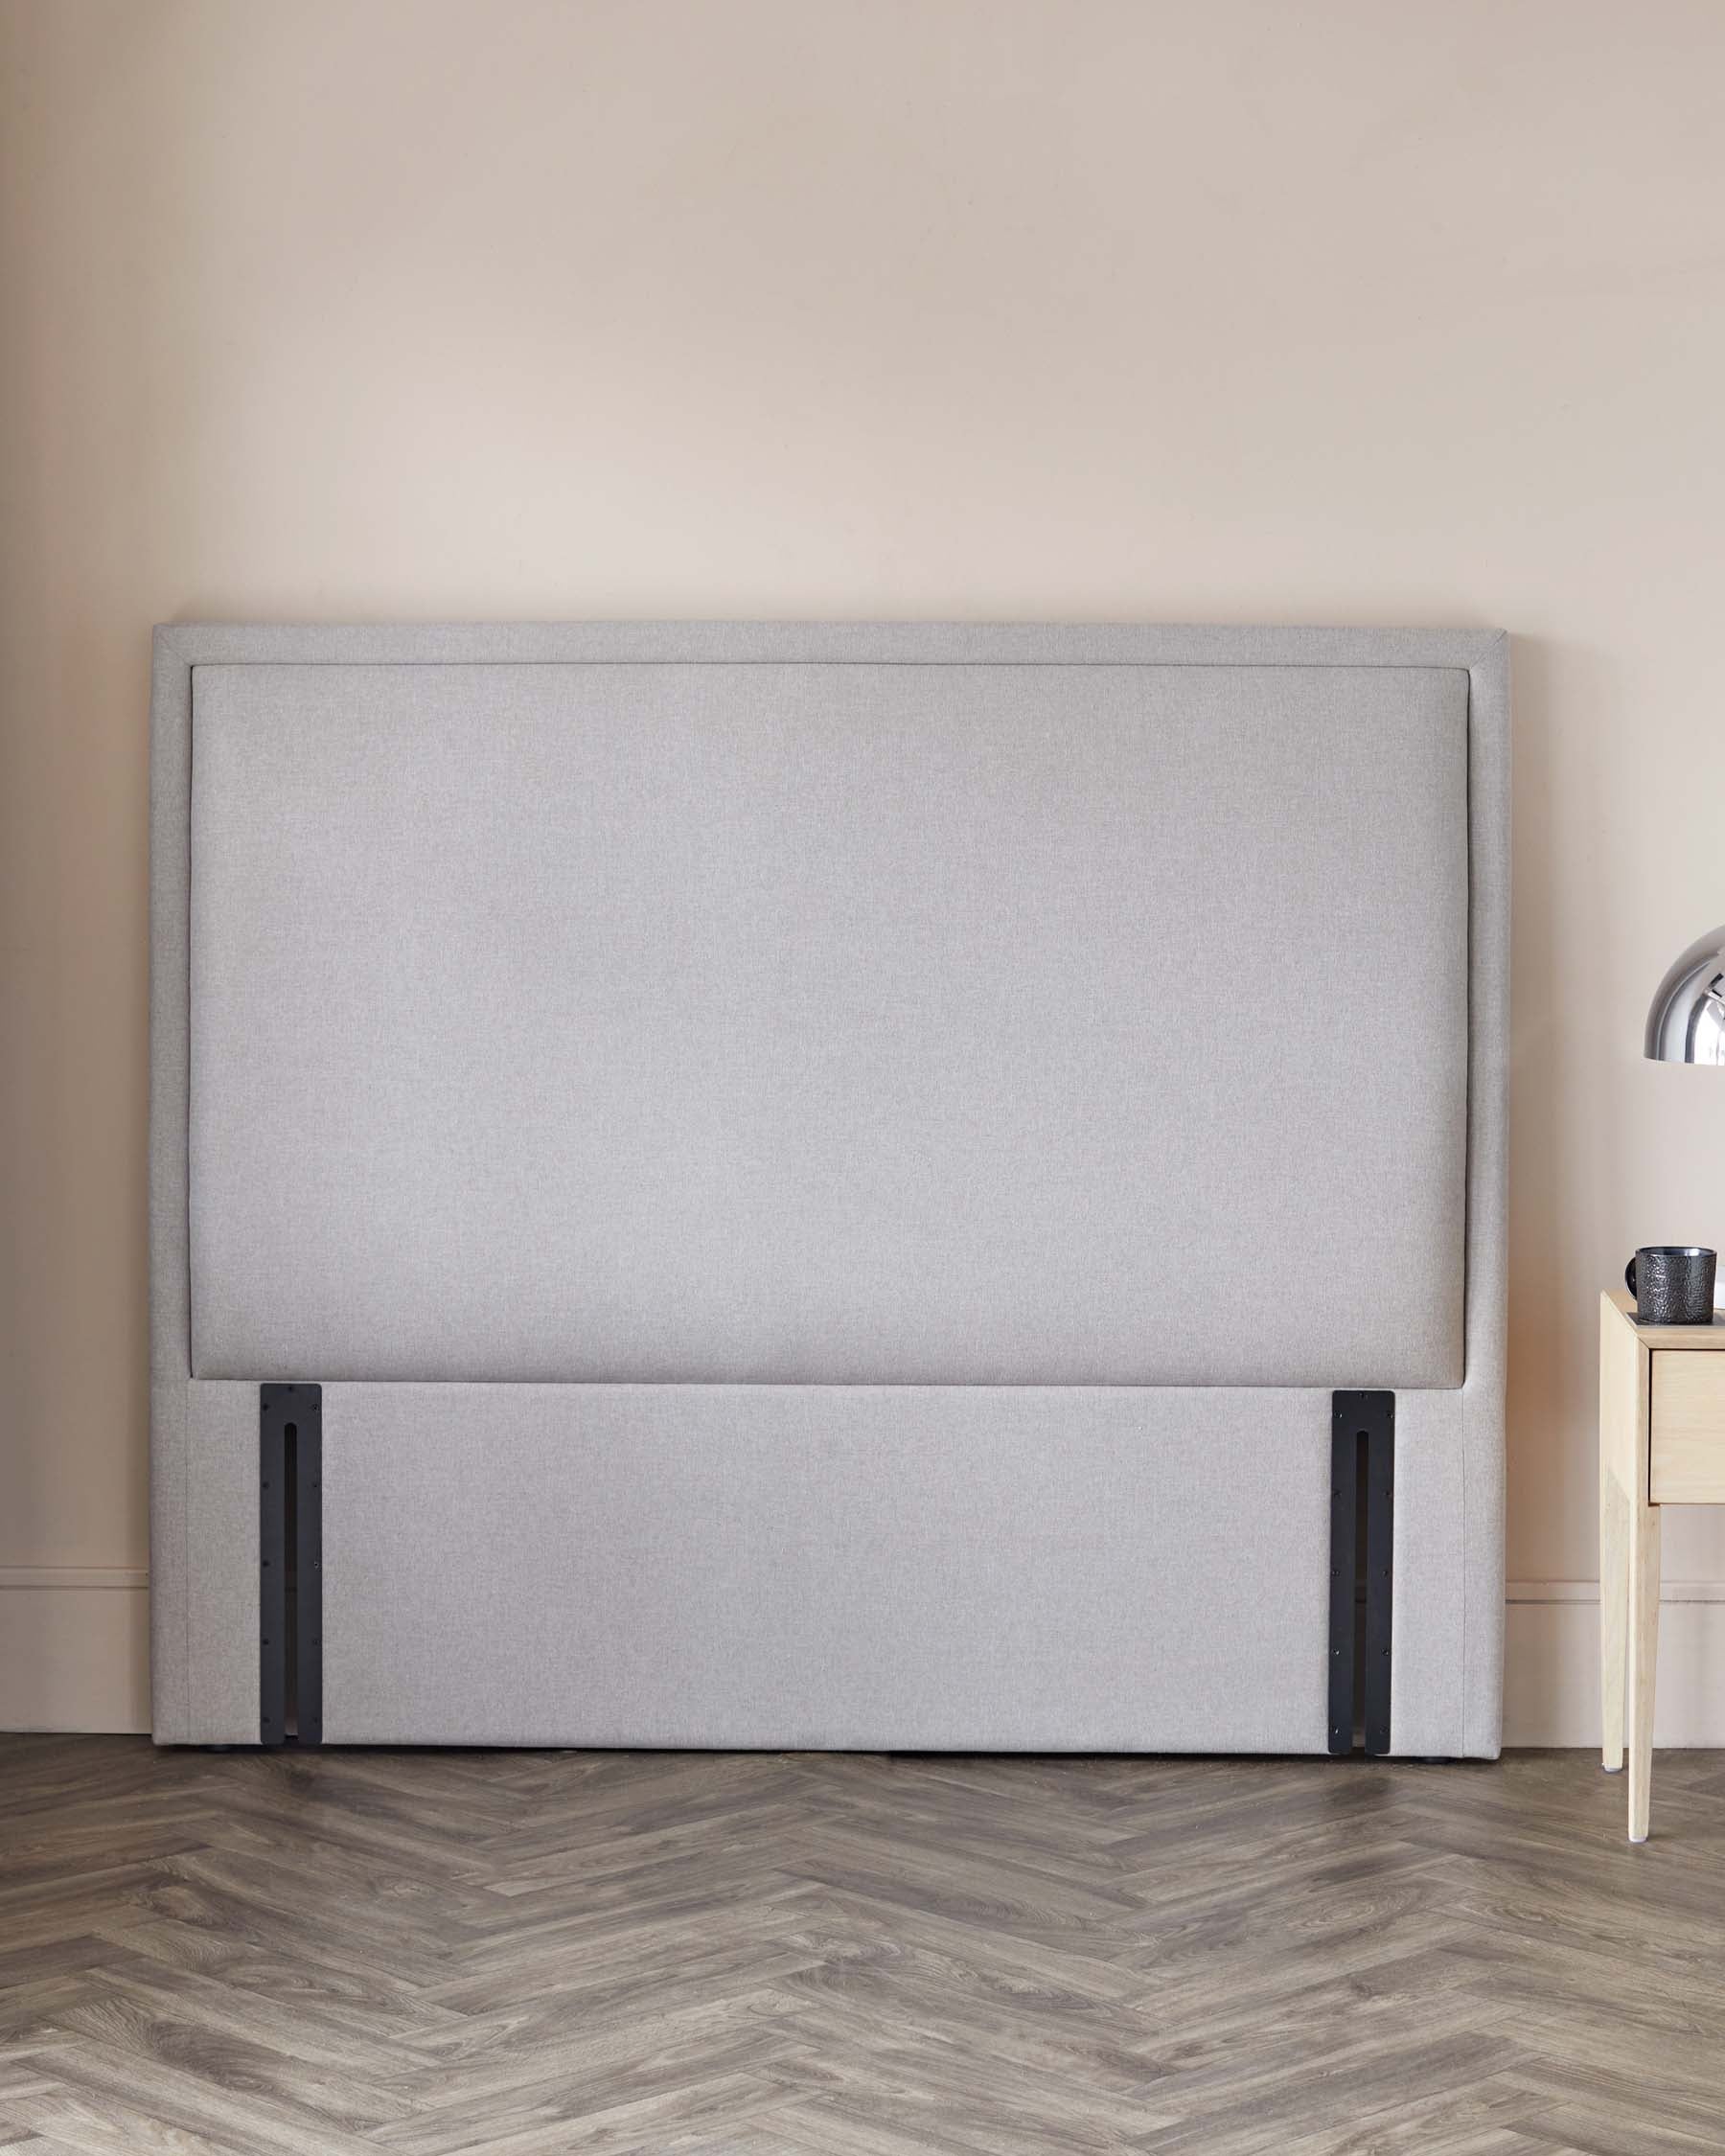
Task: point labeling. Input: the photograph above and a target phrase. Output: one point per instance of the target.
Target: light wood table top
(1706, 1339)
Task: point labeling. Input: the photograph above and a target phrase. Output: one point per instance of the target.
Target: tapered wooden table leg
(1643, 1658)
(1613, 1616)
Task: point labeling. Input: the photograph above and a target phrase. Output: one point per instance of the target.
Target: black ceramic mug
(1672, 1284)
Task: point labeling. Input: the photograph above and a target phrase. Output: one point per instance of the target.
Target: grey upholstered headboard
(649, 1075)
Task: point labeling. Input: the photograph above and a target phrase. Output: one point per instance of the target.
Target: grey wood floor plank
(1481, 2116)
(72, 2121)
(1591, 2134)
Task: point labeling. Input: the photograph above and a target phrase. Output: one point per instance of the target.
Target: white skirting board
(75, 1655)
(1552, 1664)
(74, 1647)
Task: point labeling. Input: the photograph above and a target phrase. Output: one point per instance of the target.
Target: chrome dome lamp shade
(1686, 1022)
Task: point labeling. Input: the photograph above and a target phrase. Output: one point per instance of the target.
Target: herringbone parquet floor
(428, 1954)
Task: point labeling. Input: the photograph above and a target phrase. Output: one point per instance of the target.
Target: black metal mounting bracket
(1362, 1494)
(290, 1564)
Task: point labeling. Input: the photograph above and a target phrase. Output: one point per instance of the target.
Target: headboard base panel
(1096, 1569)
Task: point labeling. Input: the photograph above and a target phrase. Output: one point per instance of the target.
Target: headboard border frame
(1482, 654)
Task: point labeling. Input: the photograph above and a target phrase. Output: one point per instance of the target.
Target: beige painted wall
(1221, 310)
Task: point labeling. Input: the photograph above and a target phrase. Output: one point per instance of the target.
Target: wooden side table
(1661, 1441)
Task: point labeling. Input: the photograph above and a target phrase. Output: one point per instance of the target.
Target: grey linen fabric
(830, 1025)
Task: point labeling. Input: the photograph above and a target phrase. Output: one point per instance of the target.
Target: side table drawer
(1686, 1453)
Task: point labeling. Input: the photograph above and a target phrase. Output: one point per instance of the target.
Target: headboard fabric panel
(851, 1023)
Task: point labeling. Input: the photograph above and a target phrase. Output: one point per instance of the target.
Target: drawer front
(1687, 1452)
